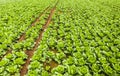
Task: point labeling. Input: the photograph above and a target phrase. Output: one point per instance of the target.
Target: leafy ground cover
(13, 14)
(82, 39)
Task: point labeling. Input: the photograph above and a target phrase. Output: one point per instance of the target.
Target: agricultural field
(59, 37)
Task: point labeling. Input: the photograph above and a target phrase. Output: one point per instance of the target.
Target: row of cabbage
(11, 64)
(83, 39)
(15, 18)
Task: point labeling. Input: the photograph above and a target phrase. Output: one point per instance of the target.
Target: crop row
(82, 40)
(15, 18)
(12, 62)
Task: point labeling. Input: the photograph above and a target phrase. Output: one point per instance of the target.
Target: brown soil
(24, 69)
(53, 50)
(59, 12)
(9, 51)
(22, 37)
(52, 64)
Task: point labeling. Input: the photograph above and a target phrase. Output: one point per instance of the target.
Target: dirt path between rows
(22, 37)
(30, 53)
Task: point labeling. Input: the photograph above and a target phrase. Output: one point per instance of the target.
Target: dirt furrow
(30, 53)
(22, 37)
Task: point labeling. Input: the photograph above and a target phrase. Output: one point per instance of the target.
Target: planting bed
(60, 38)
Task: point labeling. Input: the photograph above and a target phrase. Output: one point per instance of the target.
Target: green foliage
(59, 69)
(108, 70)
(96, 68)
(72, 69)
(3, 62)
(19, 61)
(12, 69)
(1, 69)
(83, 70)
(44, 73)
(35, 64)
(70, 60)
(91, 59)
(81, 61)
(32, 73)
(117, 67)
(84, 33)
